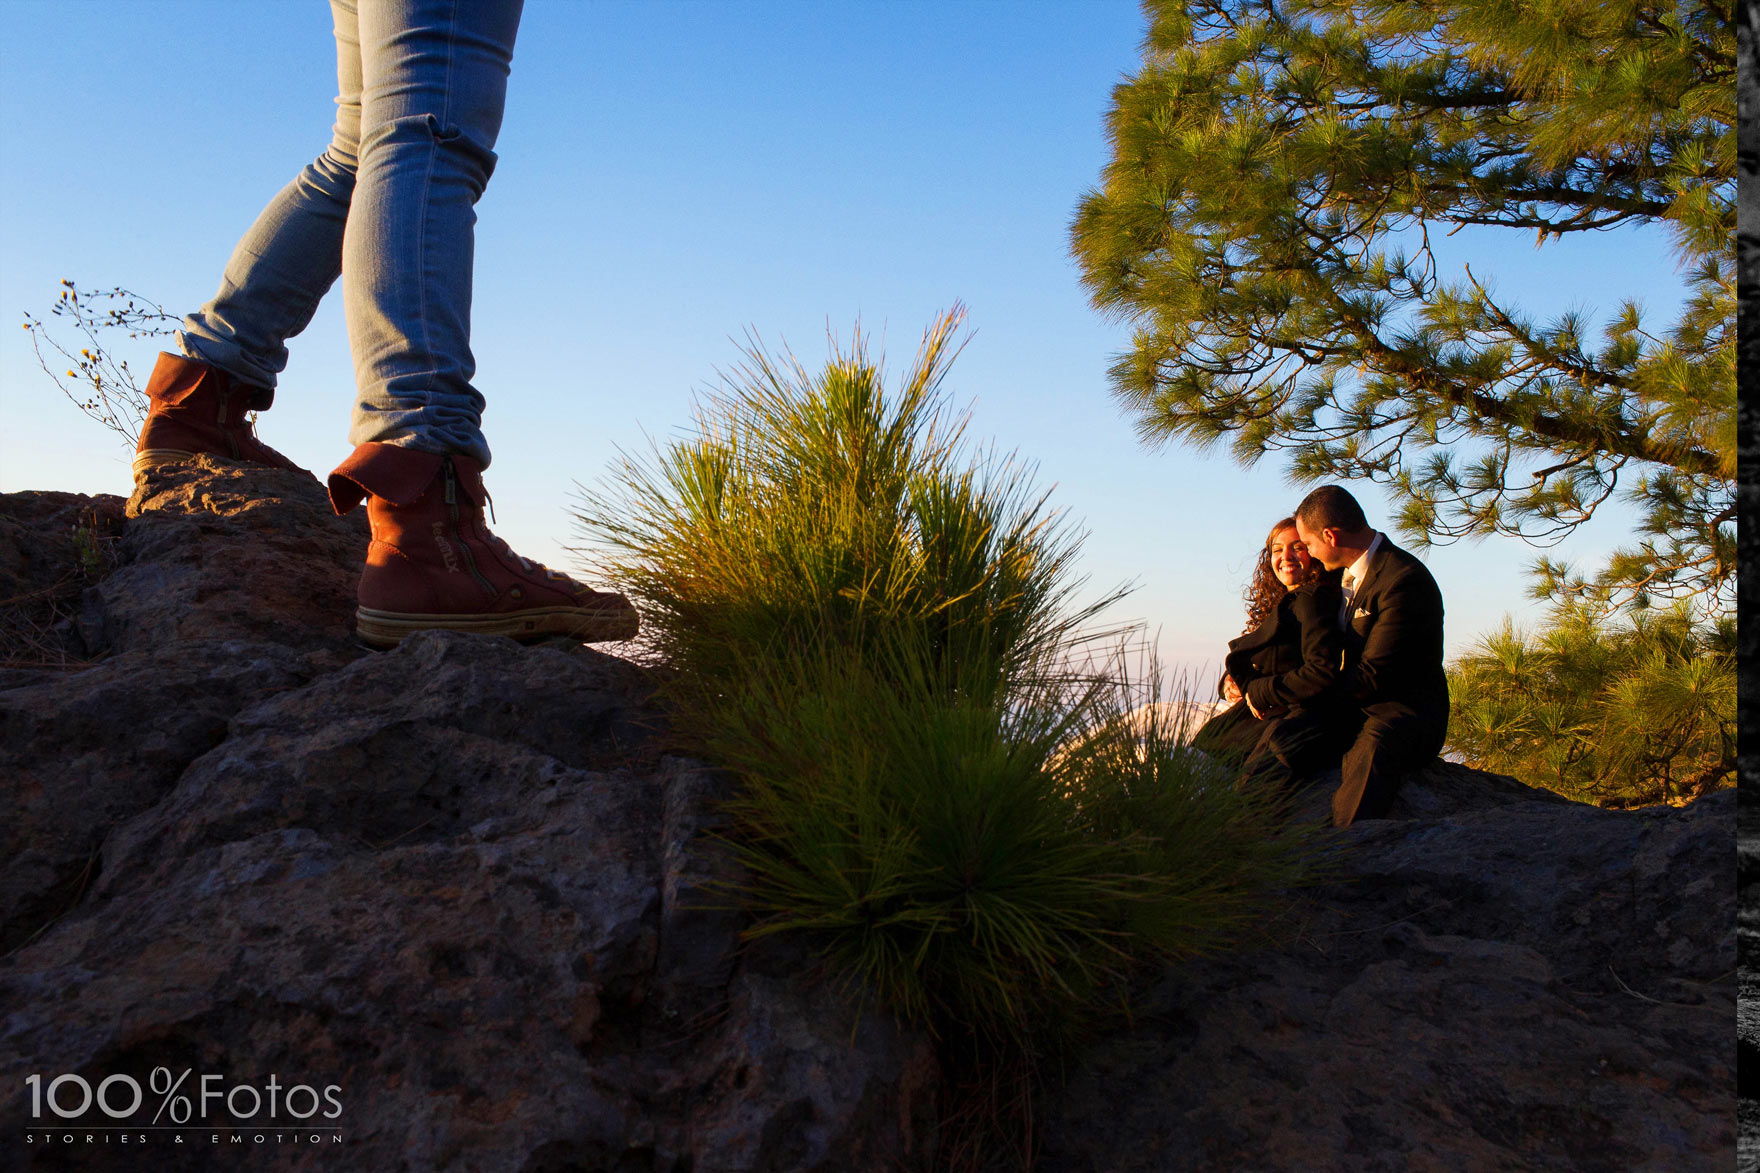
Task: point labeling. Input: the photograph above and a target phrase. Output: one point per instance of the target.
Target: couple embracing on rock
(1343, 659)
(1340, 665)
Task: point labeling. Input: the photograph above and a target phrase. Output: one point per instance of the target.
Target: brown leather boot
(200, 410)
(433, 564)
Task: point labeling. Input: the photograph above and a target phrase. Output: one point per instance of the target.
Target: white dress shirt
(1354, 574)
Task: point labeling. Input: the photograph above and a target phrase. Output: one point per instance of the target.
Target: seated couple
(1341, 662)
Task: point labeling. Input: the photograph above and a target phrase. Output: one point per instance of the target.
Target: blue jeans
(390, 207)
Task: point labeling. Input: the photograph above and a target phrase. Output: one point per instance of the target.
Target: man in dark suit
(1388, 712)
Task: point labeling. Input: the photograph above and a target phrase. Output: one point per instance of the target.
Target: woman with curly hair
(1291, 652)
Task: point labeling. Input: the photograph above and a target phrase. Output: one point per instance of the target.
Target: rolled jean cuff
(418, 430)
(226, 357)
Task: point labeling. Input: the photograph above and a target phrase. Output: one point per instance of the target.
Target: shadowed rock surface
(462, 882)
(1493, 978)
(1748, 552)
(1748, 950)
(457, 880)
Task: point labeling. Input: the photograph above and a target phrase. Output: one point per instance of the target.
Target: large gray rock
(220, 585)
(218, 550)
(1509, 981)
(460, 881)
(464, 883)
(1748, 552)
(83, 750)
(53, 546)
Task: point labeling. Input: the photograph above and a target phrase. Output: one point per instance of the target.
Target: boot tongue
(398, 475)
(468, 475)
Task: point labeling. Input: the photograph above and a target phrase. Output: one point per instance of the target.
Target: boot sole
(386, 629)
(156, 457)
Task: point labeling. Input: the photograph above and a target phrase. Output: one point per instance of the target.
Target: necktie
(1348, 590)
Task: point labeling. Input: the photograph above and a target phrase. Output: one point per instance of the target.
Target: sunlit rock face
(460, 882)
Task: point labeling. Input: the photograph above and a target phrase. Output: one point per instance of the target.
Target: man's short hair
(1330, 507)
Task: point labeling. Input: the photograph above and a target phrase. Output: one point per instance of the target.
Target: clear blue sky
(672, 176)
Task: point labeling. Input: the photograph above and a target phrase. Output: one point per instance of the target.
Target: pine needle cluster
(1281, 175)
(876, 629)
(1627, 714)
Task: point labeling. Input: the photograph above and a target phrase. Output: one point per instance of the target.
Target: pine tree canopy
(1280, 174)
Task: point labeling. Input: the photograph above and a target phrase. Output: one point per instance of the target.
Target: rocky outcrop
(1748, 948)
(458, 881)
(463, 883)
(1493, 978)
(225, 585)
(1748, 553)
(52, 546)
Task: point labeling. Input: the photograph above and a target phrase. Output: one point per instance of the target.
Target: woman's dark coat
(1293, 658)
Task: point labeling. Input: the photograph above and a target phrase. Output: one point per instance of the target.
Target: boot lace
(530, 566)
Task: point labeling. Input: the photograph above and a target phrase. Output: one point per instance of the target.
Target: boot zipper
(464, 546)
(220, 418)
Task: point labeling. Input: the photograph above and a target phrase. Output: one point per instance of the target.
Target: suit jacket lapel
(1377, 569)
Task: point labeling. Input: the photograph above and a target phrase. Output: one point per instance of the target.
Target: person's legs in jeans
(234, 347)
(433, 86)
(390, 205)
(292, 254)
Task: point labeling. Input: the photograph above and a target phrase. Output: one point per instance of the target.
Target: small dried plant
(35, 617)
(89, 372)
